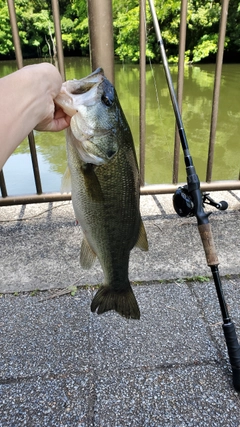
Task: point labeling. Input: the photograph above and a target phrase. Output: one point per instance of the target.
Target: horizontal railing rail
(98, 27)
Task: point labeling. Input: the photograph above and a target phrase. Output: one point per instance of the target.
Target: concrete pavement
(61, 365)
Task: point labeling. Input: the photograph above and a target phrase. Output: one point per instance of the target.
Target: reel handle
(207, 200)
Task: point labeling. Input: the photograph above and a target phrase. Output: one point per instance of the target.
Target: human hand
(28, 101)
(57, 120)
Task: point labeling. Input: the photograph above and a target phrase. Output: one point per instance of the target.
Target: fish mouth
(79, 92)
(84, 91)
(86, 84)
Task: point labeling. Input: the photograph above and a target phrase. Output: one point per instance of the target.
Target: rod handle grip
(205, 232)
(233, 352)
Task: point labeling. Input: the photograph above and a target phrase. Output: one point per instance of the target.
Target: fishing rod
(188, 200)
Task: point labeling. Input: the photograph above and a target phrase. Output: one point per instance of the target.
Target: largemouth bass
(105, 187)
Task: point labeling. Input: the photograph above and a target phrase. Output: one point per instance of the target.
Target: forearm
(26, 100)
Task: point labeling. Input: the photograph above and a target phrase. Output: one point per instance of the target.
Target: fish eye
(108, 102)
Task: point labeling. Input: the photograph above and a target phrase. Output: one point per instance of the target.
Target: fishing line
(164, 136)
(150, 63)
(155, 85)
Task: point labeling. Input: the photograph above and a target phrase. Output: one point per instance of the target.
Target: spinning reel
(183, 203)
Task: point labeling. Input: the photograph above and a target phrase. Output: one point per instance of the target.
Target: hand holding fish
(27, 102)
(56, 121)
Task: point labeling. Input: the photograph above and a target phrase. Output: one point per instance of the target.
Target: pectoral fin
(87, 256)
(91, 181)
(142, 242)
(66, 185)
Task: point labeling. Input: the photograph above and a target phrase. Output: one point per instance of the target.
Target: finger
(62, 123)
(55, 125)
(59, 113)
(59, 124)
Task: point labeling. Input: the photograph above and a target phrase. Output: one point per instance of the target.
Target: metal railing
(102, 29)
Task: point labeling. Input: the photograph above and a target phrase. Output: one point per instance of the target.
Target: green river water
(160, 125)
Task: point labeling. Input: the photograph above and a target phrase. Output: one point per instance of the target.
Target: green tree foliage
(6, 43)
(203, 26)
(233, 26)
(36, 28)
(74, 25)
(126, 25)
(202, 29)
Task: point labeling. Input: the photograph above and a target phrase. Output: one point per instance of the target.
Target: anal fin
(142, 242)
(87, 256)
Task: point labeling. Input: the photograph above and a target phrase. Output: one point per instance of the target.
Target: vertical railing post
(15, 34)
(142, 100)
(3, 185)
(216, 90)
(101, 36)
(58, 35)
(181, 57)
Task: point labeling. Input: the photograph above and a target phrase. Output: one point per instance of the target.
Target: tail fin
(123, 302)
